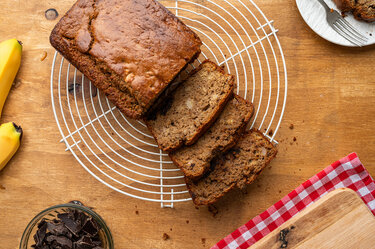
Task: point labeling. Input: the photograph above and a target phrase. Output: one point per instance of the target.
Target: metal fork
(343, 27)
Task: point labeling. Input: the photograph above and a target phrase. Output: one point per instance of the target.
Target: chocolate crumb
(170, 229)
(166, 236)
(213, 210)
(136, 212)
(370, 34)
(292, 227)
(203, 241)
(279, 191)
(294, 139)
(187, 221)
(291, 126)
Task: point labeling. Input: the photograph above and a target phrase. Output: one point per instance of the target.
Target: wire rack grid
(120, 152)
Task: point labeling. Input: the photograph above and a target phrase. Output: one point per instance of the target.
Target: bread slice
(234, 169)
(195, 159)
(192, 107)
(361, 9)
(130, 49)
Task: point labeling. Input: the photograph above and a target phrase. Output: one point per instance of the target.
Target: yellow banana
(10, 61)
(10, 140)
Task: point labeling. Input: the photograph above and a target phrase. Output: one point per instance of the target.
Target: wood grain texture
(330, 103)
(338, 220)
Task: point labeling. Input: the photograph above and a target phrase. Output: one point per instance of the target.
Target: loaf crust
(130, 49)
(159, 120)
(234, 169)
(195, 160)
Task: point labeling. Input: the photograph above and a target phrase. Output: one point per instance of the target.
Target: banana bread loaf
(361, 9)
(234, 169)
(192, 107)
(130, 49)
(195, 159)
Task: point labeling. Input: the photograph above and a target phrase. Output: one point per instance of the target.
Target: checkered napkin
(347, 172)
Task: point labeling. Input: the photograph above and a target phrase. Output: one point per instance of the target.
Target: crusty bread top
(138, 42)
(236, 168)
(195, 159)
(192, 107)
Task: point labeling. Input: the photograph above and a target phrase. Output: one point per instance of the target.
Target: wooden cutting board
(338, 220)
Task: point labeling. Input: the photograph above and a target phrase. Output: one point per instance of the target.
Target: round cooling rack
(120, 152)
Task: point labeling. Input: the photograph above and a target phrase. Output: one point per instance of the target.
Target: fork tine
(352, 29)
(340, 32)
(348, 34)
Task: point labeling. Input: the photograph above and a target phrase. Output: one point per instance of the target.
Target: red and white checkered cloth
(347, 172)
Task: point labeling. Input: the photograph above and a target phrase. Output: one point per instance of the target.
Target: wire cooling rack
(120, 152)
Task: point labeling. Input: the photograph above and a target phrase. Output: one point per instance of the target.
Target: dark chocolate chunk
(40, 234)
(90, 227)
(70, 223)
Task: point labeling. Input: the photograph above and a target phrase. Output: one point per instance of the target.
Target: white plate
(315, 16)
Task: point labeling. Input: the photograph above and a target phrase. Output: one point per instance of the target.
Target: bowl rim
(96, 216)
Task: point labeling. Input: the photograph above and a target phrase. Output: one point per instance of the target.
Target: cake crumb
(291, 126)
(294, 139)
(187, 221)
(166, 236)
(136, 212)
(170, 229)
(279, 191)
(213, 210)
(203, 241)
(2, 187)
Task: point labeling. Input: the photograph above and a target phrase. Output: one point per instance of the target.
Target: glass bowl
(51, 213)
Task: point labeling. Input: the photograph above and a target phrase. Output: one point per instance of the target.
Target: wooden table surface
(331, 103)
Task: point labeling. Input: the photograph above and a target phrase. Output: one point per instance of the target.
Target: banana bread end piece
(234, 169)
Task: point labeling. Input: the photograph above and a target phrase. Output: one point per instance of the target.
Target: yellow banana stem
(10, 61)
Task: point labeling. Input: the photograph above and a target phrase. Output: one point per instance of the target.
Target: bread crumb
(203, 241)
(331, 10)
(44, 56)
(291, 126)
(213, 210)
(166, 236)
(270, 133)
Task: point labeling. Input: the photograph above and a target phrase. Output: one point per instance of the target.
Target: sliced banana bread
(195, 159)
(236, 168)
(192, 107)
(361, 9)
